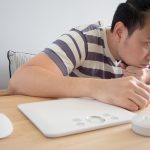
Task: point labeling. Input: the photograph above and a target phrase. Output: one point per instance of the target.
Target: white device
(141, 125)
(55, 118)
(6, 127)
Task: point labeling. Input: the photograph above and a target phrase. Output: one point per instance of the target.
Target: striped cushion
(16, 59)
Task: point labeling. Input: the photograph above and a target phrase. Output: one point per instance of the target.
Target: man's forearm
(36, 81)
(127, 92)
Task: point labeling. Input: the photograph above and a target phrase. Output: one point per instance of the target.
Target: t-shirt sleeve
(68, 51)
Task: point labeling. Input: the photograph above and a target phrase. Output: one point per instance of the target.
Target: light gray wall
(31, 25)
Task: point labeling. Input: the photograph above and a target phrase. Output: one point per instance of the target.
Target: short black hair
(133, 14)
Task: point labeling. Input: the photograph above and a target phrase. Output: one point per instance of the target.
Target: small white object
(55, 118)
(141, 125)
(118, 63)
(6, 127)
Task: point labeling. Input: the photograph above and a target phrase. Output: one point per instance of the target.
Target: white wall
(31, 25)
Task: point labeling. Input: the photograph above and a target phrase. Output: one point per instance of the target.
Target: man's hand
(126, 92)
(142, 74)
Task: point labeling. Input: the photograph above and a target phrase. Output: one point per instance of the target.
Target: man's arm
(41, 77)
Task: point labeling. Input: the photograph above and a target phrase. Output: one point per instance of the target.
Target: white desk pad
(61, 117)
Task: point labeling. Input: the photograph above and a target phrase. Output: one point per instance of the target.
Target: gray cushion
(16, 59)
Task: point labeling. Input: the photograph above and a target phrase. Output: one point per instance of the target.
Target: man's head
(131, 32)
(133, 14)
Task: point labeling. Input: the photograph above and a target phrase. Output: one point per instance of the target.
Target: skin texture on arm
(41, 77)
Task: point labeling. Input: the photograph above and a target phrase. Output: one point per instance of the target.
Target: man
(85, 62)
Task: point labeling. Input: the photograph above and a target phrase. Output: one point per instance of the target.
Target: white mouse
(141, 125)
(6, 127)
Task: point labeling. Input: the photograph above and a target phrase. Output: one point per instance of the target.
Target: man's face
(135, 50)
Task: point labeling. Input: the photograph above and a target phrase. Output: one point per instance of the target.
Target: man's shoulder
(89, 27)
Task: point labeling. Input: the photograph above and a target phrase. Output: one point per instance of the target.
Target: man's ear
(119, 30)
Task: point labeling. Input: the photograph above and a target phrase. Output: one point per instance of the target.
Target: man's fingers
(144, 86)
(142, 94)
(130, 105)
(140, 101)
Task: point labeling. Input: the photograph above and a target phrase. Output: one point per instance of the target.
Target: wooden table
(26, 137)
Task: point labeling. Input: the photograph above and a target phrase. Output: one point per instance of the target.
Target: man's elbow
(14, 83)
